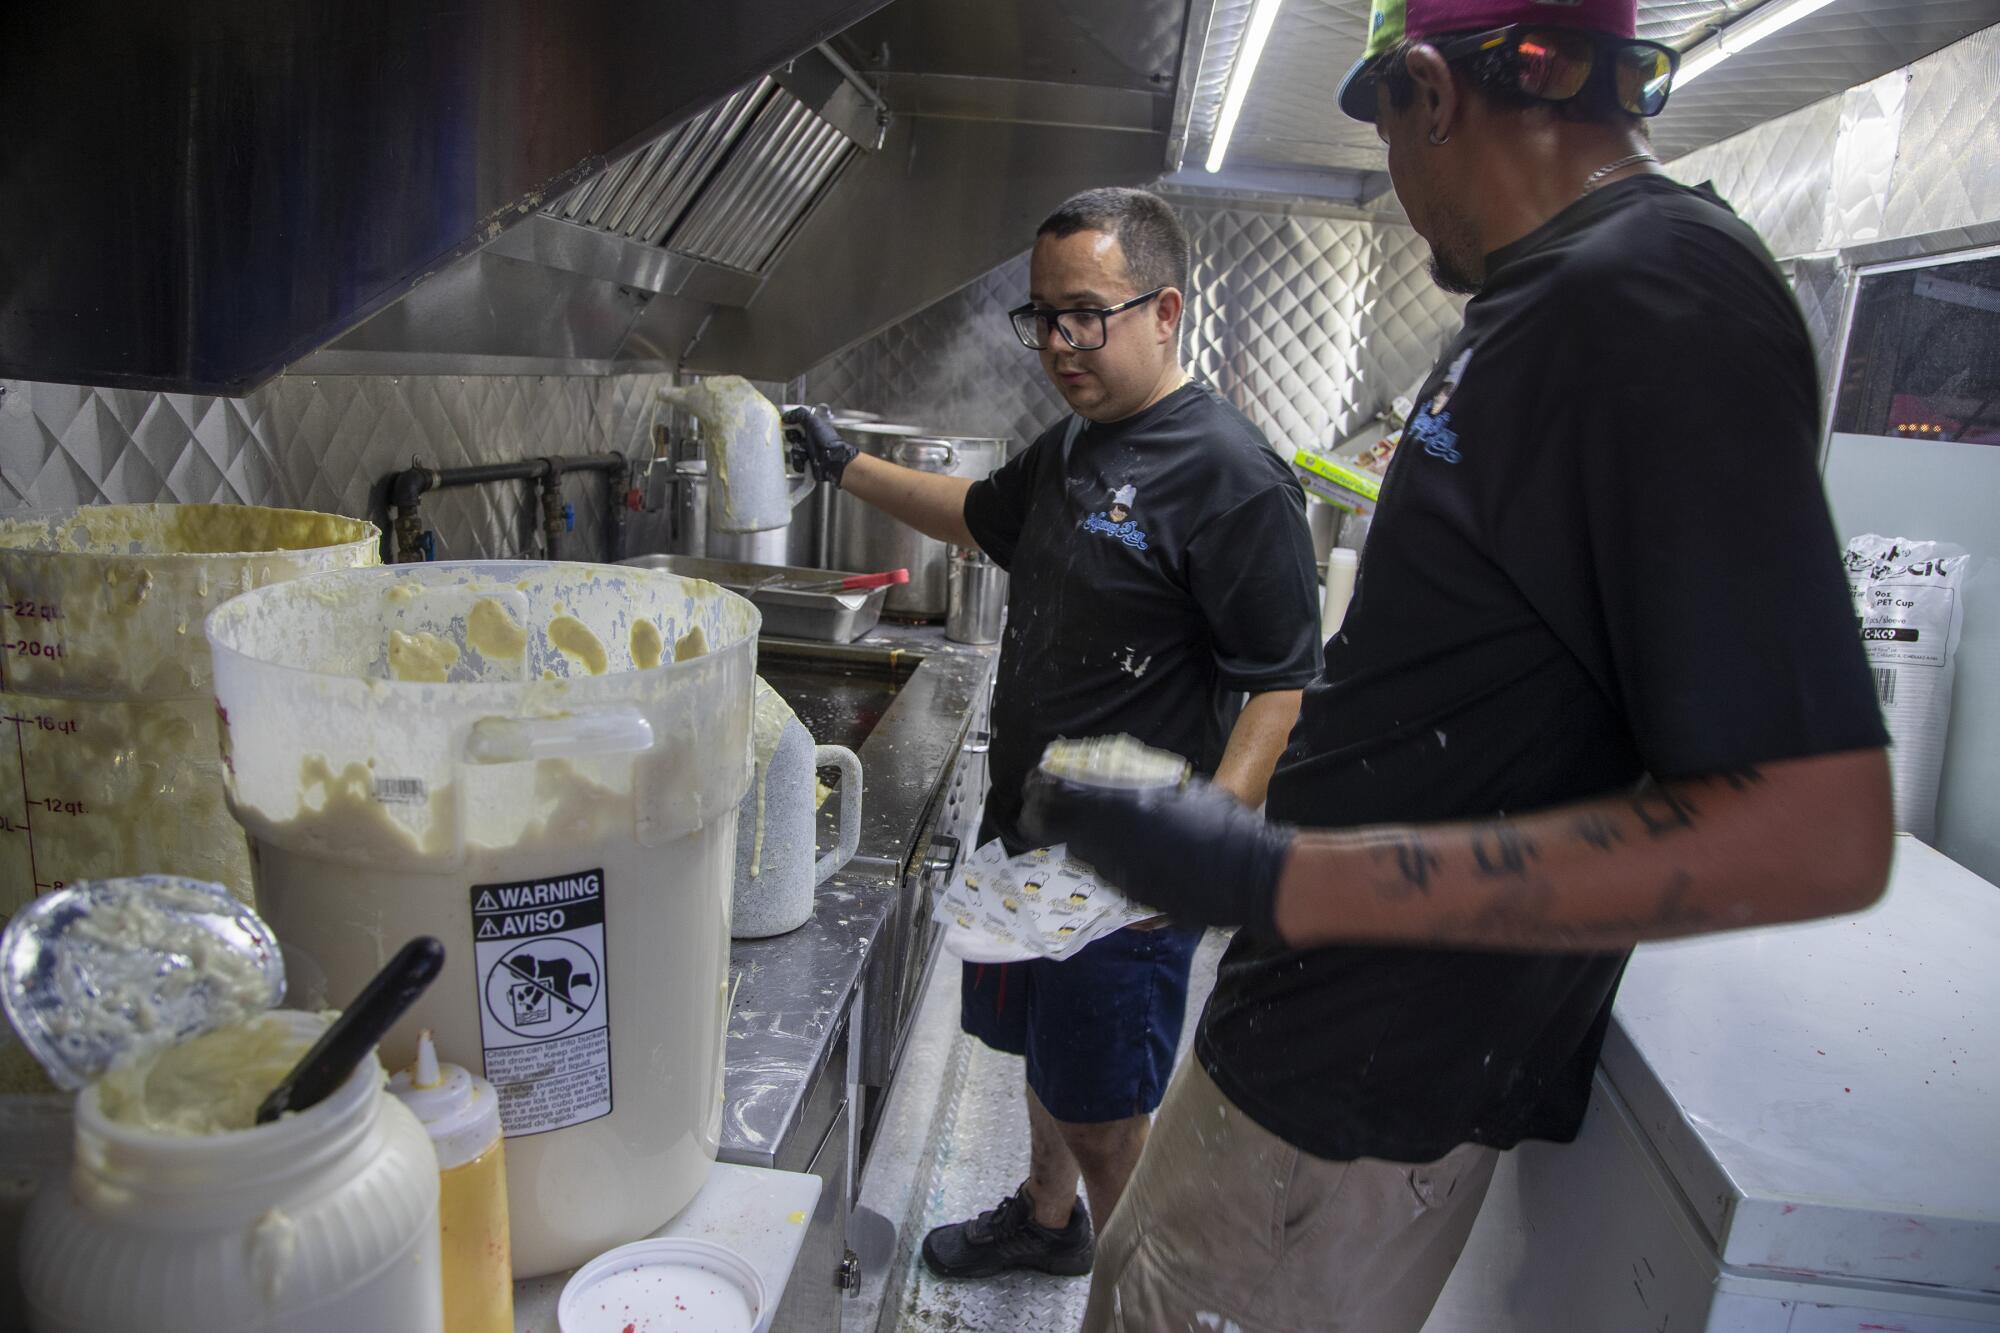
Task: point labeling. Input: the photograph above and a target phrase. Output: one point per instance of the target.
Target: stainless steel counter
(795, 993)
(819, 1014)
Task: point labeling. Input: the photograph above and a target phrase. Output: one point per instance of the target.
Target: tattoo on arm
(1414, 861)
(1666, 807)
(1598, 831)
(1502, 850)
(1663, 810)
(1522, 918)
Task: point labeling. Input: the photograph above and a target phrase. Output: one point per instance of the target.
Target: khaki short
(1226, 1228)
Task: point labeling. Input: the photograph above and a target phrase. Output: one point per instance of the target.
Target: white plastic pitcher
(557, 803)
(748, 490)
(778, 863)
(105, 676)
(325, 1221)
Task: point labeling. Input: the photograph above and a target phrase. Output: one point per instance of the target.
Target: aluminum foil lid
(113, 970)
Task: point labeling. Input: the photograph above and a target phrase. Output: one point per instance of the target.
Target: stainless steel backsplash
(325, 442)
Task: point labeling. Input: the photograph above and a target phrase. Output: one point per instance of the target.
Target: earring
(1437, 142)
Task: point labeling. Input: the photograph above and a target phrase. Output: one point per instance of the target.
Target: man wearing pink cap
(1599, 684)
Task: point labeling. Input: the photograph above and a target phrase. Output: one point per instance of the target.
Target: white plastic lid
(665, 1286)
(460, 1109)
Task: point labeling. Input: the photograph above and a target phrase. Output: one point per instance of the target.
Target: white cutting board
(759, 1213)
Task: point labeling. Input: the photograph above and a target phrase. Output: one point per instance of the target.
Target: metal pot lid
(879, 427)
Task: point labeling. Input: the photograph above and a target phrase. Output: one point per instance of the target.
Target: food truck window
(1923, 354)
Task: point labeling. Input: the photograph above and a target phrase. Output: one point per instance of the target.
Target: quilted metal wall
(324, 442)
(1948, 167)
(1776, 175)
(1913, 152)
(1309, 323)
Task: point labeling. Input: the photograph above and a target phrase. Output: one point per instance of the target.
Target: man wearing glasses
(1599, 684)
(1160, 568)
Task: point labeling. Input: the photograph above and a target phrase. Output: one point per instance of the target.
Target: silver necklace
(1596, 178)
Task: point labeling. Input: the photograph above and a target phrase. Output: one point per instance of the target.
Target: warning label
(544, 1020)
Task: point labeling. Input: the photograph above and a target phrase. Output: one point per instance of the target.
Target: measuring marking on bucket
(47, 613)
(53, 805)
(544, 1020)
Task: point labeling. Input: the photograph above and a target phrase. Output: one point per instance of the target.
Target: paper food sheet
(1001, 909)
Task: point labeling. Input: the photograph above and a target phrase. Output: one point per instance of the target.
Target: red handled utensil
(850, 583)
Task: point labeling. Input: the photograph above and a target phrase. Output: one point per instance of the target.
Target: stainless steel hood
(202, 194)
(198, 194)
(812, 207)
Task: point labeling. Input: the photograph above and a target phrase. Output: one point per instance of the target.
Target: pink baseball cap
(1391, 22)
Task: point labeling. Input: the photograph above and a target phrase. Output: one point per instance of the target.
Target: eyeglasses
(1082, 328)
(1557, 64)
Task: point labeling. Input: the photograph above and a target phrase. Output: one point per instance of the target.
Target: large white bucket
(508, 756)
(104, 682)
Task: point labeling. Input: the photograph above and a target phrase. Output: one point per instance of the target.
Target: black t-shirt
(1158, 566)
(1602, 552)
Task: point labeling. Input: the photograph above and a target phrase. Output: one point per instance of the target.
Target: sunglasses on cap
(1559, 64)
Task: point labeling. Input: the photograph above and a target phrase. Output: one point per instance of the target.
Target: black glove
(817, 445)
(1195, 852)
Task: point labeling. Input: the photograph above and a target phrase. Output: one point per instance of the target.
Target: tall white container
(321, 1222)
(106, 670)
(516, 759)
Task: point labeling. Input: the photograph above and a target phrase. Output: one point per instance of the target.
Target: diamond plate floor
(976, 1154)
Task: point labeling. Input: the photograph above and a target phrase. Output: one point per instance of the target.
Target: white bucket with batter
(104, 678)
(508, 756)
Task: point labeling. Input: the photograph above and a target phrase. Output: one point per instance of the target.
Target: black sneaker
(1009, 1237)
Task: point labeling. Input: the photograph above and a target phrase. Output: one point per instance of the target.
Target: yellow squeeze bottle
(462, 1114)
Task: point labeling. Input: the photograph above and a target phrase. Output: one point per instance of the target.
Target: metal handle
(515, 740)
(925, 455)
(941, 858)
(849, 793)
(979, 742)
(801, 486)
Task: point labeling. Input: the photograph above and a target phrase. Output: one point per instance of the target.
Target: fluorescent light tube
(1753, 27)
(1699, 62)
(1248, 53)
(1766, 19)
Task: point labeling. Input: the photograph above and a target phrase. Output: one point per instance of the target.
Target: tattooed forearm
(1597, 830)
(1663, 810)
(1526, 919)
(1415, 863)
(1736, 779)
(1502, 850)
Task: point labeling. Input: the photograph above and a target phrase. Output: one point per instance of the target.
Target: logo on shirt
(1431, 427)
(1116, 522)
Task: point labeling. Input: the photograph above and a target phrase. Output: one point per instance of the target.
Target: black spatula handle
(349, 1038)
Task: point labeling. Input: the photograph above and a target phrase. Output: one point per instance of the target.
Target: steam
(955, 367)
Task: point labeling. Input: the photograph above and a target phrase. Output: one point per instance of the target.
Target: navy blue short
(1099, 1029)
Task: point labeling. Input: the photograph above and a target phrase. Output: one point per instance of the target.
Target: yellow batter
(210, 1085)
(421, 657)
(492, 633)
(647, 646)
(574, 638)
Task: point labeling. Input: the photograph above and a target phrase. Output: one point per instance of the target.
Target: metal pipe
(407, 488)
(549, 484)
(853, 77)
